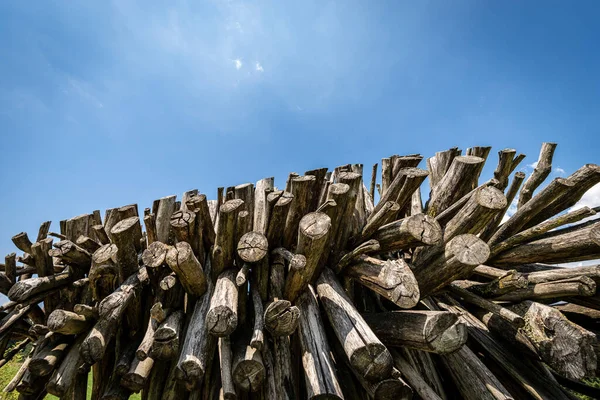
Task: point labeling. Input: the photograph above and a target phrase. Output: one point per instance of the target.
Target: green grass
(10, 369)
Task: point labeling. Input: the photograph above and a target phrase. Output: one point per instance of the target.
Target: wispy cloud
(532, 165)
(238, 63)
(259, 67)
(559, 170)
(83, 90)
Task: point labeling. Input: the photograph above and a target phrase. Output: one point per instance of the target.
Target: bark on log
(314, 233)
(137, 377)
(592, 271)
(261, 213)
(21, 240)
(223, 250)
(49, 356)
(222, 315)
(542, 169)
(104, 273)
(25, 289)
(126, 234)
(410, 232)
(578, 286)
(368, 247)
(367, 355)
(392, 279)
(257, 341)
(163, 212)
(301, 189)
(507, 162)
(439, 164)
(565, 346)
(72, 254)
(167, 337)
(183, 262)
(66, 375)
(319, 371)
(67, 322)
(278, 216)
(88, 244)
(432, 331)
(225, 360)
(378, 219)
(247, 369)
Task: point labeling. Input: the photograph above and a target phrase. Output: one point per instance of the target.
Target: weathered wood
(28, 288)
(155, 255)
(507, 282)
(416, 230)
(301, 189)
(71, 254)
(367, 355)
(454, 184)
(223, 250)
(507, 162)
(461, 255)
(413, 377)
(67, 322)
(512, 191)
(21, 240)
(222, 315)
(439, 164)
(49, 356)
(10, 267)
(137, 376)
(313, 235)
(577, 286)
(319, 371)
(565, 346)
(183, 262)
(433, 331)
(542, 169)
(402, 187)
(378, 219)
(280, 316)
(185, 229)
(258, 340)
(592, 271)
(247, 368)
(295, 261)
(225, 360)
(392, 279)
(278, 216)
(87, 243)
(67, 373)
(572, 245)
(164, 211)
(104, 273)
(261, 212)
(368, 247)
(125, 235)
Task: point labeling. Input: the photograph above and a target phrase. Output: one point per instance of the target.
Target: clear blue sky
(107, 103)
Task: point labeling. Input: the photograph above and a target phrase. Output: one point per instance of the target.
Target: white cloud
(259, 67)
(238, 63)
(511, 210)
(532, 165)
(591, 198)
(559, 170)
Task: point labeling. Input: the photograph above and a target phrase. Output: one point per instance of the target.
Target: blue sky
(107, 103)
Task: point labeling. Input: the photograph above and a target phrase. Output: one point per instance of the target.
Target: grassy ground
(10, 369)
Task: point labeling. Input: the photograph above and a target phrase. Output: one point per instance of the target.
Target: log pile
(313, 290)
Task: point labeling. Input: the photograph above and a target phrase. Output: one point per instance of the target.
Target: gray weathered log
(224, 248)
(67, 322)
(183, 262)
(560, 289)
(302, 189)
(542, 169)
(222, 315)
(162, 217)
(416, 230)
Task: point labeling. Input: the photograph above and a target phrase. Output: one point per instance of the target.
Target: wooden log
(155, 255)
(11, 386)
(222, 315)
(21, 240)
(301, 189)
(591, 271)
(164, 211)
(258, 340)
(319, 371)
(462, 254)
(49, 356)
(512, 191)
(183, 262)
(280, 317)
(535, 231)
(104, 273)
(564, 288)
(223, 250)
(367, 355)
(167, 336)
(278, 216)
(72, 254)
(88, 244)
(402, 187)
(373, 181)
(565, 346)
(44, 266)
(506, 283)
(542, 169)
(184, 228)
(28, 288)
(587, 318)
(346, 211)
(416, 230)
(10, 267)
(439, 164)
(67, 373)
(392, 279)
(573, 245)
(319, 175)
(432, 331)
(412, 376)
(200, 205)
(68, 323)
(455, 183)
(125, 236)
(111, 310)
(530, 209)
(368, 247)
(479, 151)
(295, 261)
(313, 236)
(247, 367)
(261, 213)
(245, 192)
(378, 219)
(225, 360)
(101, 235)
(487, 305)
(507, 162)
(137, 377)
(145, 347)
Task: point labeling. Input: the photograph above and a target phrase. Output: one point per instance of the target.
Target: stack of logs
(313, 291)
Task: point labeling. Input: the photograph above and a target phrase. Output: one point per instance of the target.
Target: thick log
(222, 315)
(420, 386)
(367, 355)
(368, 247)
(104, 273)
(137, 377)
(455, 183)
(10, 267)
(377, 219)
(126, 235)
(67, 373)
(252, 247)
(261, 213)
(512, 191)
(400, 191)
(25, 289)
(578, 286)
(461, 255)
(72, 254)
(247, 369)
(507, 162)
(184, 228)
(314, 232)
(111, 309)
(542, 169)
(586, 317)
(319, 371)
(565, 346)
(432, 331)
(204, 222)
(439, 164)
(88, 244)
(280, 317)
(556, 274)
(505, 283)
(529, 210)
(164, 210)
(572, 245)
(21, 240)
(538, 230)
(302, 190)
(167, 337)
(68, 323)
(183, 262)
(49, 356)
(155, 255)
(278, 216)
(223, 250)
(416, 230)
(100, 234)
(392, 279)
